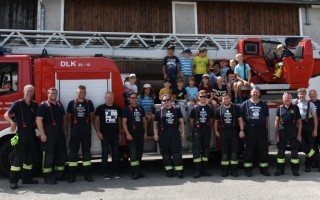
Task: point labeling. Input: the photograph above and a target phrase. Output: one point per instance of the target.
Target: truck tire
(6, 156)
(7, 152)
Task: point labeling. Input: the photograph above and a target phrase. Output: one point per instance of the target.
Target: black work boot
(179, 173)
(295, 169)
(27, 177)
(248, 171)
(264, 171)
(234, 170)
(13, 179)
(169, 173)
(197, 169)
(71, 178)
(49, 179)
(224, 170)
(135, 172)
(205, 169)
(280, 170)
(59, 176)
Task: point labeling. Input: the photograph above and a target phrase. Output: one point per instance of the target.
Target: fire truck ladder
(122, 45)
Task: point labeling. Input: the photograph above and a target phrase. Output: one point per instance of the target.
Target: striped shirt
(147, 103)
(186, 65)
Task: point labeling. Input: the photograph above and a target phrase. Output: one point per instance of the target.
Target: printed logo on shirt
(111, 116)
(255, 112)
(169, 117)
(203, 116)
(227, 117)
(81, 110)
(137, 115)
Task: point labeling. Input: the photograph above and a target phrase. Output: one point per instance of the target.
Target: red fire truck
(22, 65)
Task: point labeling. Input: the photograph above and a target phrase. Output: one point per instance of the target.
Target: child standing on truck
(242, 70)
(186, 65)
(171, 66)
(201, 65)
(130, 87)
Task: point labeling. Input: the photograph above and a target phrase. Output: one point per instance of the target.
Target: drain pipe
(42, 12)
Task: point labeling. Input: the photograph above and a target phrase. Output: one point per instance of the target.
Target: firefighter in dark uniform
(50, 118)
(228, 117)
(314, 99)
(255, 113)
(80, 113)
(309, 128)
(22, 114)
(288, 128)
(134, 124)
(166, 132)
(201, 118)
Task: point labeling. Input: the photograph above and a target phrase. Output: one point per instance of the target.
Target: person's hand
(100, 136)
(182, 135)
(156, 137)
(314, 133)
(43, 138)
(217, 134)
(241, 134)
(145, 136)
(299, 138)
(277, 139)
(129, 137)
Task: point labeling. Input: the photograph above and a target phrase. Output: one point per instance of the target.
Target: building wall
(18, 14)
(311, 28)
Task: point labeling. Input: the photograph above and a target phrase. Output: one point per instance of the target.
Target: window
(184, 16)
(251, 48)
(8, 78)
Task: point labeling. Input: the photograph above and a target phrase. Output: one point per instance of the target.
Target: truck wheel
(7, 153)
(6, 156)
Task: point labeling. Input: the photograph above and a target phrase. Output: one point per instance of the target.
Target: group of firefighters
(296, 121)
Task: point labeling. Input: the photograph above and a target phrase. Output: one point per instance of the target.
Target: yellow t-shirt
(200, 64)
(165, 91)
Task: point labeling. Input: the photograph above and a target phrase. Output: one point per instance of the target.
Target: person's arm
(216, 124)
(13, 125)
(299, 121)
(315, 121)
(125, 128)
(241, 124)
(66, 124)
(276, 128)
(97, 127)
(164, 71)
(39, 122)
(145, 127)
(182, 135)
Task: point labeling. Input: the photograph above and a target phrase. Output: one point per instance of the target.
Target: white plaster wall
(53, 14)
(313, 28)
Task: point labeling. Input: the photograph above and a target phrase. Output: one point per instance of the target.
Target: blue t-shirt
(147, 103)
(192, 92)
(239, 70)
(186, 65)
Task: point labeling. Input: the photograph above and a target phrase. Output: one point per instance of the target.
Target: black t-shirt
(28, 114)
(202, 114)
(52, 113)
(180, 93)
(134, 117)
(231, 75)
(82, 110)
(171, 65)
(255, 114)
(288, 115)
(219, 91)
(109, 118)
(168, 117)
(228, 116)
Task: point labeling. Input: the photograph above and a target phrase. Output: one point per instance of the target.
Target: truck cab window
(8, 78)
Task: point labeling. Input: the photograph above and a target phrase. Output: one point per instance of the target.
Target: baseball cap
(132, 75)
(147, 85)
(171, 47)
(205, 75)
(188, 51)
(256, 87)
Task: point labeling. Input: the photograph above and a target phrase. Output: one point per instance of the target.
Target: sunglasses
(165, 100)
(203, 96)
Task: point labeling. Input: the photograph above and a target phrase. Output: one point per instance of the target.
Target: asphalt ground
(156, 186)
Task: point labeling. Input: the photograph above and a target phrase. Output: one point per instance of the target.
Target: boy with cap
(130, 87)
(186, 66)
(171, 66)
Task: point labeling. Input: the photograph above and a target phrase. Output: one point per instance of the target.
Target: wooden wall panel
(18, 14)
(118, 15)
(248, 18)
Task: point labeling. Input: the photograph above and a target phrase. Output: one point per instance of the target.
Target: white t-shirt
(303, 107)
(128, 88)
